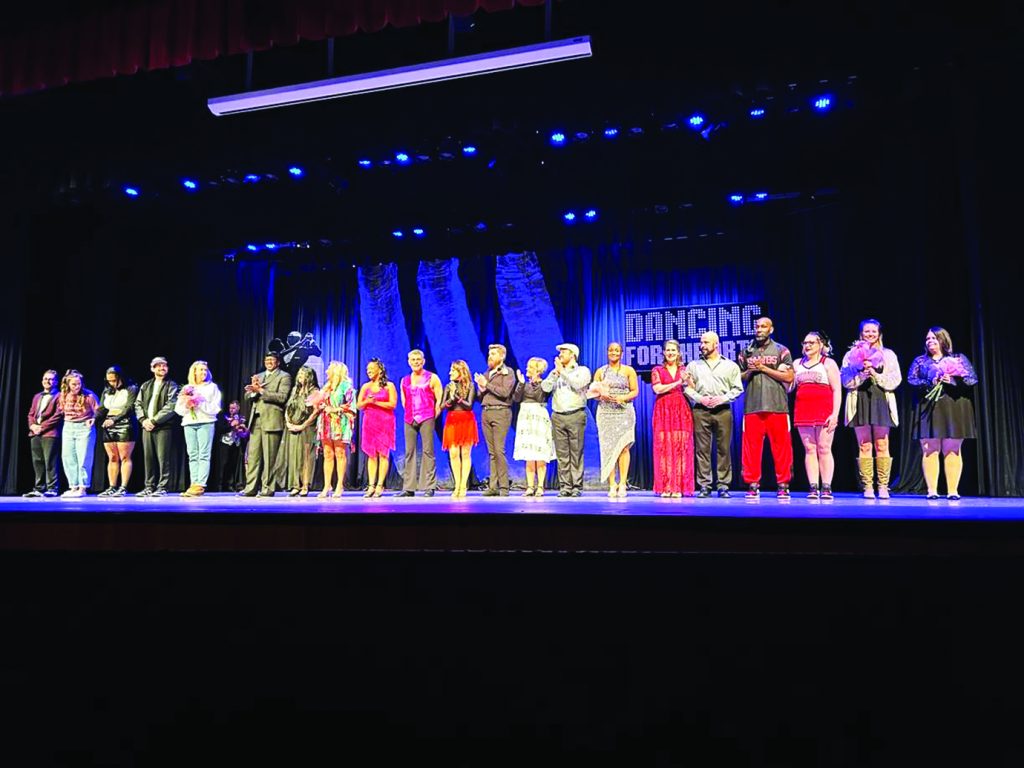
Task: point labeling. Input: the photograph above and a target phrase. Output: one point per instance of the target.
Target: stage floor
(641, 522)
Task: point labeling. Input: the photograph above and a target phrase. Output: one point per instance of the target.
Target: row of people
(692, 413)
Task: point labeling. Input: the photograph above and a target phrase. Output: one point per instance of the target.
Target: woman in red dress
(673, 427)
(816, 412)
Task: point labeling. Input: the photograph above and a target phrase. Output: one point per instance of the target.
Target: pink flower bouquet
(861, 351)
(598, 389)
(192, 398)
(948, 366)
(318, 399)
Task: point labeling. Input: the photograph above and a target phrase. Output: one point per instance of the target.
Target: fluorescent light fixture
(417, 74)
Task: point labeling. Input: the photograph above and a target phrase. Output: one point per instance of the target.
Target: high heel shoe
(338, 492)
(324, 494)
(369, 492)
(378, 492)
(613, 491)
(304, 492)
(621, 490)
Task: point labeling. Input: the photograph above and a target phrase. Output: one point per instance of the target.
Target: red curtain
(125, 39)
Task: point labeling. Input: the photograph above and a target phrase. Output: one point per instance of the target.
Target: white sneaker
(75, 493)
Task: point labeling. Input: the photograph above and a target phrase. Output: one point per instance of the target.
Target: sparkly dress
(673, 436)
(378, 438)
(616, 423)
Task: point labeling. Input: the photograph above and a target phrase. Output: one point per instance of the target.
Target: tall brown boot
(867, 475)
(884, 464)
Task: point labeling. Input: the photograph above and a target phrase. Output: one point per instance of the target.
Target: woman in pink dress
(673, 427)
(377, 400)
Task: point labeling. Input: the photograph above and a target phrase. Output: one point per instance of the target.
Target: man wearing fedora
(568, 383)
(269, 392)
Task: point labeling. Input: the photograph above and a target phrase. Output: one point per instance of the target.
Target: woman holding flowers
(198, 405)
(944, 411)
(336, 406)
(871, 373)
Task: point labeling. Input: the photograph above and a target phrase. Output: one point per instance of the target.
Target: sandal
(378, 492)
(324, 494)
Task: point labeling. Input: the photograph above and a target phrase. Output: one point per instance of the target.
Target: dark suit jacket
(51, 416)
(268, 405)
(167, 398)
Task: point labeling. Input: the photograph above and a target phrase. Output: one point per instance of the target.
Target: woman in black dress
(944, 410)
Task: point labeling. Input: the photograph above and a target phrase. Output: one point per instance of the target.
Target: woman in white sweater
(198, 405)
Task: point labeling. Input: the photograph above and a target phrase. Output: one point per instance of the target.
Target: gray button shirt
(568, 390)
(720, 378)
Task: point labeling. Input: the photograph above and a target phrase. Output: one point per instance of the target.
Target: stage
(640, 523)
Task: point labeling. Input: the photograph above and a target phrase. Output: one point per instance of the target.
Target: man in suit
(154, 408)
(269, 392)
(44, 422)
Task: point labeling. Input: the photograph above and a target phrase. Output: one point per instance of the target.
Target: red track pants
(776, 426)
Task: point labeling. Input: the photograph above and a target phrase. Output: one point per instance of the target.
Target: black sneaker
(565, 493)
(33, 494)
(704, 493)
(118, 492)
(754, 491)
(158, 493)
(783, 493)
(403, 494)
(814, 493)
(826, 493)
(107, 493)
(429, 493)
(723, 493)
(490, 492)
(51, 493)
(144, 492)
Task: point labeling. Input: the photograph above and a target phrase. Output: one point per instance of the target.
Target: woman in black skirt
(945, 409)
(119, 429)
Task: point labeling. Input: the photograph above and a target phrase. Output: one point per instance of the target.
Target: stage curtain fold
(125, 38)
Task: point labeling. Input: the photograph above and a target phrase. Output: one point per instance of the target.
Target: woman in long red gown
(673, 427)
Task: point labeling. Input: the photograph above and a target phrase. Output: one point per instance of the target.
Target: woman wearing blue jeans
(198, 405)
(78, 437)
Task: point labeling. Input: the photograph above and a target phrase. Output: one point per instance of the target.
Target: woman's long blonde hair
(336, 373)
(192, 372)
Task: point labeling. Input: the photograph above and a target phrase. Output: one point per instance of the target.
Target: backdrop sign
(648, 329)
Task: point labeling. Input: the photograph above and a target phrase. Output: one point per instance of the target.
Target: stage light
(470, 150)
(480, 226)
(190, 185)
(582, 136)
(611, 133)
(402, 158)
(271, 246)
(252, 247)
(418, 232)
(131, 191)
(760, 195)
(251, 178)
(295, 171)
(696, 120)
(636, 131)
(557, 139)
(756, 113)
(429, 72)
(735, 199)
(399, 234)
(364, 163)
(490, 165)
(569, 217)
(590, 215)
(822, 103)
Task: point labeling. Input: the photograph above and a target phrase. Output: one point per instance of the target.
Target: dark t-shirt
(763, 393)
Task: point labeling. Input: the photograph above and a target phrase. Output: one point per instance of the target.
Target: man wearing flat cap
(154, 408)
(269, 392)
(496, 388)
(568, 383)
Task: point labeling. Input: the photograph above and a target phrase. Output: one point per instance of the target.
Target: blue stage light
(251, 177)
(611, 133)
(480, 226)
(736, 199)
(822, 103)
(398, 234)
(190, 185)
(469, 150)
(761, 195)
(558, 138)
(491, 164)
(418, 232)
(271, 246)
(696, 120)
(252, 247)
(757, 112)
(569, 217)
(131, 191)
(636, 130)
(364, 163)
(402, 158)
(295, 171)
(590, 215)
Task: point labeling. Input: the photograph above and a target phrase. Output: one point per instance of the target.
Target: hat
(571, 347)
(273, 353)
(157, 360)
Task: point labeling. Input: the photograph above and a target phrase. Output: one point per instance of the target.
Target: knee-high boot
(884, 465)
(866, 465)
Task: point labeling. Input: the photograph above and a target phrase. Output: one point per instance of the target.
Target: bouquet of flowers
(318, 399)
(948, 366)
(191, 397)
(598, 389)
(861, 351)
